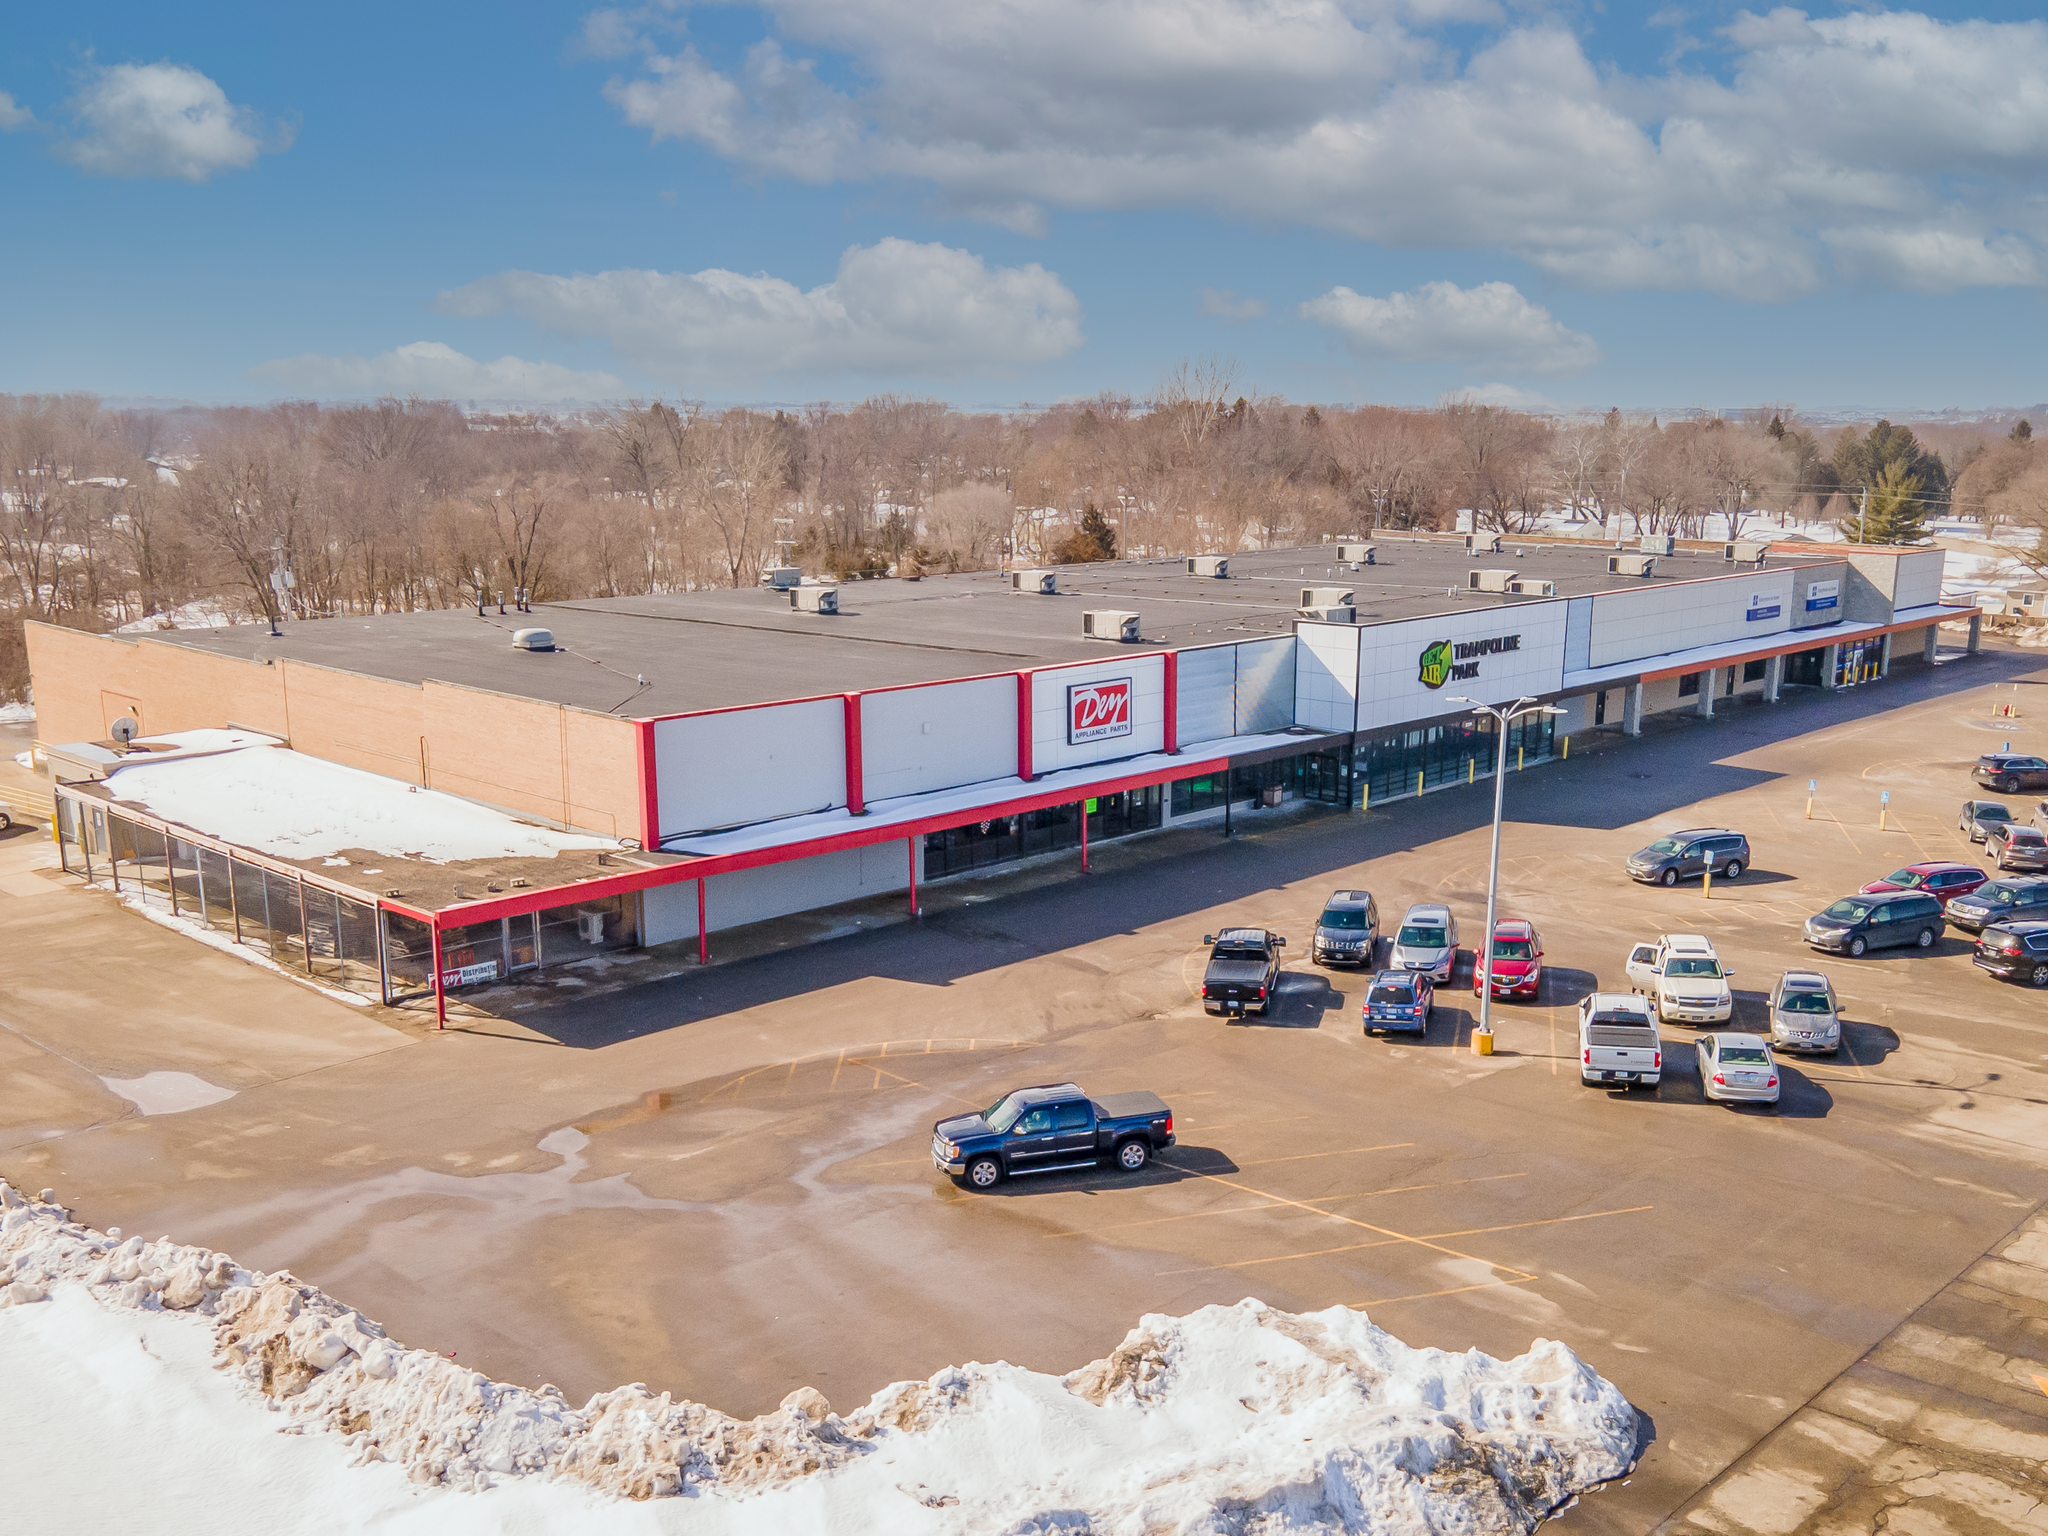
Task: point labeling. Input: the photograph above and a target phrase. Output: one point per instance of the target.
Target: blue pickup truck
(1048, 1128)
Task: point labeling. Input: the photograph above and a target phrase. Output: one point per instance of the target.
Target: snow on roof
(276, 801)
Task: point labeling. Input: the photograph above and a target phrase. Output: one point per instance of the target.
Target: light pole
(1503, 714)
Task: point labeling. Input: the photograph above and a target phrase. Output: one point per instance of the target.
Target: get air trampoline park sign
(1099, 710)
(1453, 661)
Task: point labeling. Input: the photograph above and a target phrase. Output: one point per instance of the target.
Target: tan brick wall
(539, 759)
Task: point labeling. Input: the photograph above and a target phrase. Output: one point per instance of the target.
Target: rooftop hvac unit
(1333, 613)
(814, 599)
(1745, 551)
(1631, 565)
(1351, 552)
(1529, 586)
(1208, 565)
(533, 639)
(1489, 581)
(590, 924)
(1482, 543)
(1110, 624)
(1044, 582)
(1326, 597)
(780, 578)
(1657, 544)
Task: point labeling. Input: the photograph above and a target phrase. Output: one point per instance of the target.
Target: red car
(1517, 960)
(1939, 878)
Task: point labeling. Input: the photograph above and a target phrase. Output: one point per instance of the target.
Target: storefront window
(473, 954)
(587, 928)
(408, 956)
(1451, 753)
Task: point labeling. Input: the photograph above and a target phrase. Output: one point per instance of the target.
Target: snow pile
(17, 714)
(205, 613)
(282, 802)
(1231, 1419)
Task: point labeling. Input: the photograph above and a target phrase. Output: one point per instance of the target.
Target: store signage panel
(1099, 710)
(1457, 661)
(1763, 605)
(469, 975)
(1822, 595)
(1410, 669)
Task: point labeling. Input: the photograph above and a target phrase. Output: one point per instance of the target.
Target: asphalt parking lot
(735, 1196)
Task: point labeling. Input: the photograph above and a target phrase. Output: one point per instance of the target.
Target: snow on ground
(17, 714)
(285, 803)
(168, 1093)
(227, 1400)
(206, 613)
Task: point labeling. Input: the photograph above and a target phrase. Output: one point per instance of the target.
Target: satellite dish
(124, 730)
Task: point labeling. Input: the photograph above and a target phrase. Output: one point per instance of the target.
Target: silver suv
(1427, 941)
(1347, 931)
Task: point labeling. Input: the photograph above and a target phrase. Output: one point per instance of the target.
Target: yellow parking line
(1456, 1290)
(1298, 1157)
(1322, 1253)
(1232, 1210)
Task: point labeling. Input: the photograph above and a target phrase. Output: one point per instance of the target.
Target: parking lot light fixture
(1503, 715)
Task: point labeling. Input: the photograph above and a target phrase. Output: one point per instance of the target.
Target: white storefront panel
(1206, 708)
(1677, 616)
(668, 913)
(738, 766)
(1326, 675)
(1097, 711)
(1413, 669)
(918, 739)
(1265, 686)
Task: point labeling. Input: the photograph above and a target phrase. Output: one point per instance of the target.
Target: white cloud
(1490, 327)
(895, 309)
(433, 368)
(163, 120)
(1508, 396)
(1224, 304)
(13, 115)
(1827, 139)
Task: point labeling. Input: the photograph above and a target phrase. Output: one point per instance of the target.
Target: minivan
(1683, 856)
(1856, 923)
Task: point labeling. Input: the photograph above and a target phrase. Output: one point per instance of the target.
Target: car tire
(1669, 877)
(1734, 870)
(2005, 784)
(984, 1173)
(1856, 946)
(1133, 1155)
(1926, 938)
(2039, 978)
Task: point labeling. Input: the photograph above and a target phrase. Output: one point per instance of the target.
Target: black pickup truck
(1051, 1127)
(1244, 970)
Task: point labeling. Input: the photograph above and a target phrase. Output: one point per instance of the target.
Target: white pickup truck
(1618, 1042)
(1683, 978)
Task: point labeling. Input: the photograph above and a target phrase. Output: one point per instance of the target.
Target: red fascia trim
(1172, 740)
(856, 797)
(1816, 640)
(733, 709)
(650, 788)
(1024, 724)
(565, 895)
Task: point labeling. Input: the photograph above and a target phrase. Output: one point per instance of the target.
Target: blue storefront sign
(1764, 605)
(1822, 594)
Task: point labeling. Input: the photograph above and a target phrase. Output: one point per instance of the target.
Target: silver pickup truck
(1618, 1042)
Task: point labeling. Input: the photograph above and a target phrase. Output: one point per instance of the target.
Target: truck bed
(1130, 1106)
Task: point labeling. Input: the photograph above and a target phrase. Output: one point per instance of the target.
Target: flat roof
(718, 648)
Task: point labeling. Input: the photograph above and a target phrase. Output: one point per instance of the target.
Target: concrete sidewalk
(1940, 1430)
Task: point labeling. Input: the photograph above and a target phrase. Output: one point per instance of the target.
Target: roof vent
(1657, 544)
(1745, 552)
(1326, 597)
(1045, 583)
(1489, 581)
(1332, 613)
(814, 599)
(1482, 543)
(780, 578)
(533, 639)
(1529, 586)
(1352, 552)
(1631, 565)
(1208, 565)
(1110, 624)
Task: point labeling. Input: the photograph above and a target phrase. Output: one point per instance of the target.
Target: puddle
(167, 1093)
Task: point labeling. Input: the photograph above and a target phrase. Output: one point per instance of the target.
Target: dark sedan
(1999, 901)
(1980, 816)
(2011, 772)
(2018, 847)
(2015, 952)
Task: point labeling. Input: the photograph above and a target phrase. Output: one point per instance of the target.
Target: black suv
(1998, 901)
(1683, 855)
(2010, 772)
(2015, 952)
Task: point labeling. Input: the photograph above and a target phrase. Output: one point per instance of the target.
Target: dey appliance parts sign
(1099, 710)
(1822, 594)
(1448, 661)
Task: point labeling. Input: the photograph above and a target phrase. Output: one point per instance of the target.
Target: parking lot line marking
(1456, 1290)
(1323, 1253)
(1297, 1157)
(1233, 1210)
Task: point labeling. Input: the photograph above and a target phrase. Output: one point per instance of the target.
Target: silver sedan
(1736, 1069)
(1804, 1013)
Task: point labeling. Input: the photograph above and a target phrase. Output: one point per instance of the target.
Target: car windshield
(1391, 994)
(1003, 1114)
(2023, 835)
(1746, 1054)
(1666, 845)
(1684, 966)
(1420, 937)
(1351, 918)
(1804, 1002)
(1849, 911)
(1989, 812)
(1995, 895)
(1905, 877)
(1513, 949)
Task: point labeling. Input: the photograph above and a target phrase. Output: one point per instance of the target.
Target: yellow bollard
(1365, 799)
(1567, 749)
(1707, 883)
(1881, 812)
(1482, 1042)
(1418, 781)
(1518, 758)
(1471, 770)
(1809, 807)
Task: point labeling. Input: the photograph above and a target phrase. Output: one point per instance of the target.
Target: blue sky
(1696, 205)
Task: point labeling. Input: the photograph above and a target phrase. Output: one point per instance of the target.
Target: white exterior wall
(1919, 582)
(740, 766)
(1206, 708)
(1390, 687)
(1265, 686)
(1661, 618)
(669, 912)
(1326, 675)
(1050, 749)
(918, 739)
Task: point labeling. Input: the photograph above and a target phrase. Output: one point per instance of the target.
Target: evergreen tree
(1094, 540)
(2024, 432)
(1896, 513)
